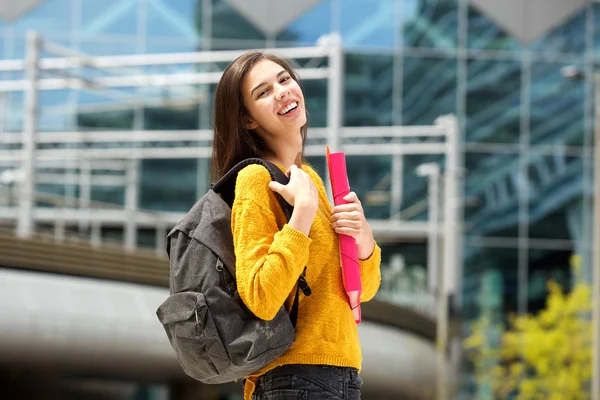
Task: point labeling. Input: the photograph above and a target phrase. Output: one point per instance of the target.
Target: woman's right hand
(301, 193)
(300, 190)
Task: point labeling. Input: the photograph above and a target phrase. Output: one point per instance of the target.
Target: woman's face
(273, 99)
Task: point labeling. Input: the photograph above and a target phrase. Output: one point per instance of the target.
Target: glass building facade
(526, 130)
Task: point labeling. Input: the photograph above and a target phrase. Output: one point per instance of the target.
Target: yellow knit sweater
(271, 255)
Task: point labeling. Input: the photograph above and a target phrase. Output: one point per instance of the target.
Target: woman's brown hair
(232, 142)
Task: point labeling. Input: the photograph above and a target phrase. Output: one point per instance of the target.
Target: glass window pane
(97, 46)
(483, 33)
(105, 117)
(175, 117)
(5, 46)
(490, 293)
(369, 177)
(108, 194)
(308, 27)
(13, 119)
(114, 17)
(315, 100)
(596, 23)
(146, 238)
(181, 18)
(490, 282)
(429, 89)
(493, 101)
(53, 113)
(430, 23)
(568, 37)
(404, 277)
(368, 90)
(491, 184)
(168, 184)
(48, 16)
(368, 23)
(548, 264)
(557, 105)
(230, 30)
(555, 196)
(157, 46)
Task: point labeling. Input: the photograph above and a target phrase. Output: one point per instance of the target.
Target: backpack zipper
(229, 287)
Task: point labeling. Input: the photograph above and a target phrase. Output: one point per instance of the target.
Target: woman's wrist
(302, 217)
(366, 244)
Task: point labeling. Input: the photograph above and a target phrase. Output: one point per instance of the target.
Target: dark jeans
(312, 382)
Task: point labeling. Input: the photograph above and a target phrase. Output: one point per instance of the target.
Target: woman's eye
(262, 93)
(287, 78)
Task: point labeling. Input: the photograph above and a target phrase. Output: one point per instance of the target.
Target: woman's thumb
(275, 186)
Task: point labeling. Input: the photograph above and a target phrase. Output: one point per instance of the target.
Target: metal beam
(31, 99)
(154, 80)
(98, 136)
(137, 60)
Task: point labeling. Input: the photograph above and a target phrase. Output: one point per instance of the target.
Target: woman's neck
(285, 153)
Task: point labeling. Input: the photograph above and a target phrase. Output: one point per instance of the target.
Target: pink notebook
(340, 187)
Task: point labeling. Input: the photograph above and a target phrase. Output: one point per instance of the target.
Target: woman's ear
(249, 123)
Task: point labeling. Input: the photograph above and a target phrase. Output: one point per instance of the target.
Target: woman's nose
(282, 92)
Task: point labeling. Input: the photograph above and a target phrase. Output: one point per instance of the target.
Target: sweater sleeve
(268, 260)
(370, 274)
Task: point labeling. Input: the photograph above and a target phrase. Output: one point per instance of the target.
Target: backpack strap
(226, 185)
(226, 188)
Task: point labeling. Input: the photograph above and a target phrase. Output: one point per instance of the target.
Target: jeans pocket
(323, 389)
(284, 394)
(356, 381)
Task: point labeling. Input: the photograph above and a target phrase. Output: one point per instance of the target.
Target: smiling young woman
(260, 112)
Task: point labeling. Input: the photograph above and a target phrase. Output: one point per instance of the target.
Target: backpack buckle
(303, 285)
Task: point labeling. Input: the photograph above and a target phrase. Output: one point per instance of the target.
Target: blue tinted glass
(13, 119)
(368, 23)
(168, 184)
(568, 37)
(108, 194)
(596, 23)
(171, 46)
(557, 105)
(315, 98)
(493, 101)
(548, 265)
(366, 175)
(555, 191)
(48, 16)
(109, 17)
(307, 28)
(5, 47)
(428, 82)
(404, 277)
(415, 206)
(53, 113)
(231, 30)
(492, 181)
(99, 46)
(368, 90)
(483, 33)
(430, 23)
(173, 18)
(490, 281)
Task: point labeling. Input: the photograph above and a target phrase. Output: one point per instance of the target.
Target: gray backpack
(215, 337)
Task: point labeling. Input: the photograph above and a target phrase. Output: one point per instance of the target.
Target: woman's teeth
(288, 108)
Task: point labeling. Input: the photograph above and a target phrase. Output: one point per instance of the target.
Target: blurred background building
(517, 86)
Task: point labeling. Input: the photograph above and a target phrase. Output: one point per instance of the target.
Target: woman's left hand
(349, 219)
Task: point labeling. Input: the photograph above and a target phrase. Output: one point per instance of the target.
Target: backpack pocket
(189, 325)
